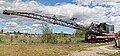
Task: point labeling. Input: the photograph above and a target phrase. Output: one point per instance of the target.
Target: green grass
(43, 49)
(55, 45)
(115, 54)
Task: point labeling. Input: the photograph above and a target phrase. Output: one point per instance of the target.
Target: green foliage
(1, 39)
(46, 29)
(46, 37)
(37, 39)
(1, 31)
(62, 34)
(16, 32)
(80, 34)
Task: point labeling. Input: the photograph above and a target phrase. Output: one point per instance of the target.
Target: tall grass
(32, 39)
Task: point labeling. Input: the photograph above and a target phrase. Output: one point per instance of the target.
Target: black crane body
(93, 29)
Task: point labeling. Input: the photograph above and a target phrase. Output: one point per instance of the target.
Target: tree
(8, 33)
(1, 31)
(46, 29)
(18, 32)
(80, 33)
(61, 34)
(47, 34)
(14, 32)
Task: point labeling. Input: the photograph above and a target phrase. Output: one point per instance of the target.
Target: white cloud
(66, 27)
(12, 24)
(1, 19)
(18, 5)
(116, 5)
(28, 28)
(84, 14)
(52, 25)
(37, 25)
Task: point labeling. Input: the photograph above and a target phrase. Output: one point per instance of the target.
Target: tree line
(47, 37)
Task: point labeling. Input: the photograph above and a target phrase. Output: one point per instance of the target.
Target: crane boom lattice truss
(53, 20)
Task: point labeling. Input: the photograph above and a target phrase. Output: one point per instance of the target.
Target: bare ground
(95, 51)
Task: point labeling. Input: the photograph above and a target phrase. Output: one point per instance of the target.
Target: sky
(86, 11)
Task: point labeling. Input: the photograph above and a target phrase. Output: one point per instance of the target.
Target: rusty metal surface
(105, 36)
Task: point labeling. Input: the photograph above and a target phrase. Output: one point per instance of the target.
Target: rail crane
(95, 32)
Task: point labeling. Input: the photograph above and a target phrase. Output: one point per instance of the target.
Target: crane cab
(100, 33)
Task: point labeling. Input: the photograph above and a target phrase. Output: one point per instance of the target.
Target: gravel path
(94, 51)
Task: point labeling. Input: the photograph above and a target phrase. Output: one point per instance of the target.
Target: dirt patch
(95, 51)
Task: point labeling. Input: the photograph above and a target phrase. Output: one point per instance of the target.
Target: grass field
(43, 49)
(46, 45)
(116, 54)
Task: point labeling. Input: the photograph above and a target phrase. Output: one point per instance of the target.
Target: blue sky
(86, 11)
(54, 2)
